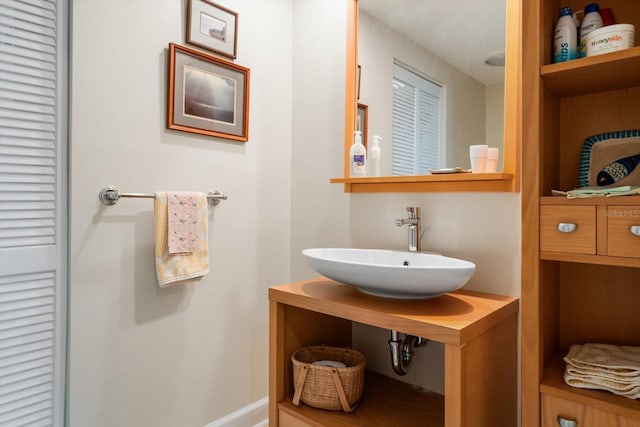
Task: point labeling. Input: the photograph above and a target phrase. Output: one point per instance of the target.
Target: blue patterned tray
(585, 155)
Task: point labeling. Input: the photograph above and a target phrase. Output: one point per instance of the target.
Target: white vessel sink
(392, 274)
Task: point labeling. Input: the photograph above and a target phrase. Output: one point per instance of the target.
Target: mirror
(380, 37)
(436, 48)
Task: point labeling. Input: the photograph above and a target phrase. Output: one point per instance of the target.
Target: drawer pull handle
(635, 230)
(567, 227)
(563, 422)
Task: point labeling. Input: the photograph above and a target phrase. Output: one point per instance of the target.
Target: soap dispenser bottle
(375, 154)
(358, 156)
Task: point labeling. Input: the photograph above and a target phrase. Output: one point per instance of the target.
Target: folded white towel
(182, 267)
(604, 367)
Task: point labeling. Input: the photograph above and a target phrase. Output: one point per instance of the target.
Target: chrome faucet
(413, 222)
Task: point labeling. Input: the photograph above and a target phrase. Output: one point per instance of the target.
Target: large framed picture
(212, 27)
(207, 95)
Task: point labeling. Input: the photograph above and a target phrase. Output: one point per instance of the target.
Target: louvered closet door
(33, 140)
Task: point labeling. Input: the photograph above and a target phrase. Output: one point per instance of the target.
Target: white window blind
(32, 215)
(417, 116)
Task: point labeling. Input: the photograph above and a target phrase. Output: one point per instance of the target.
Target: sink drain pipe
(402, 350)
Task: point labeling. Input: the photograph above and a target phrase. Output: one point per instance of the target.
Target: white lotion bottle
(358, 156)
(375, 155)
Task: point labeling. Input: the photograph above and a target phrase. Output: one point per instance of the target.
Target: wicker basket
(327, 387)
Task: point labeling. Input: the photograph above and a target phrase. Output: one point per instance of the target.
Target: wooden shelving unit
(581, 287)
(479, 332)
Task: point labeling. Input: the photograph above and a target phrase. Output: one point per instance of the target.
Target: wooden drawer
(583, 415)
(582, 240)
(620, 239)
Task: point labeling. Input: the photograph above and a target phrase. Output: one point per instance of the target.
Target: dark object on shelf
(616, 171)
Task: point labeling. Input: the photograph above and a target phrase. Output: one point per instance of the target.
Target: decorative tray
(610, 158)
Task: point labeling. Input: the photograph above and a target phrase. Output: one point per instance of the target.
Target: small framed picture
(207, 95)
(212, 27)
(362, 122)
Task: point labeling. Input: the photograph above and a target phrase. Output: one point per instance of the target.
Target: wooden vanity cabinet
(581, 286)
(479, 333)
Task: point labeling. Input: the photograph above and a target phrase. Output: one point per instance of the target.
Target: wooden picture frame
(207, 95)
(212, 27)
(362, 122)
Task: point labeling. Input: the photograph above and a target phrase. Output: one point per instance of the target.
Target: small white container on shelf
(478, 157)
(610, 39)
(492, 160)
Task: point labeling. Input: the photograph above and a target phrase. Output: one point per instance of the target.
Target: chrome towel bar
(110, 195)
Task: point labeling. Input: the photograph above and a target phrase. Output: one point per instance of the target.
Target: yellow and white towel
(604, 367)
(180, 268)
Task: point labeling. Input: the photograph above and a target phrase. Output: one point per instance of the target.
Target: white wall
(320, 211)
(184, 356)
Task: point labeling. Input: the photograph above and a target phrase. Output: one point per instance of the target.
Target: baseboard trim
(255, 414)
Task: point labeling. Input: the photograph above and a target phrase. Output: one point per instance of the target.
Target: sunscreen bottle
(591, 21)
(358, 156)
(565, 38)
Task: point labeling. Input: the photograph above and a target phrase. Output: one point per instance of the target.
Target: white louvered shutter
(33, 140)
(416, 145)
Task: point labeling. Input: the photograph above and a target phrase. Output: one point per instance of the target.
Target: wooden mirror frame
(506, 181)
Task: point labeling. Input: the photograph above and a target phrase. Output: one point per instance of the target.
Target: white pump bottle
(375, 155)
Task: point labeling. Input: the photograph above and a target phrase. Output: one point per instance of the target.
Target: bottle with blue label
(591, 21)
(565, 38)
(358, 156)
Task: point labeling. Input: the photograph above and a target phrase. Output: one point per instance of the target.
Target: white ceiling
(463, 32)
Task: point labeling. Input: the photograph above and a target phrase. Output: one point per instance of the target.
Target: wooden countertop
(453, 318)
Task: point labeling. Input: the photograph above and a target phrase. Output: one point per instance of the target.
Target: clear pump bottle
(375, 155)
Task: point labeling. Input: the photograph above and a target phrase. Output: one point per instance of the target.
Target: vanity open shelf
(497, 182)
(554, 387)
(479, 333)
(381, 393)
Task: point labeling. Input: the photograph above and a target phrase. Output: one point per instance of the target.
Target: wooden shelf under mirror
(505, 181)
(428, 183)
